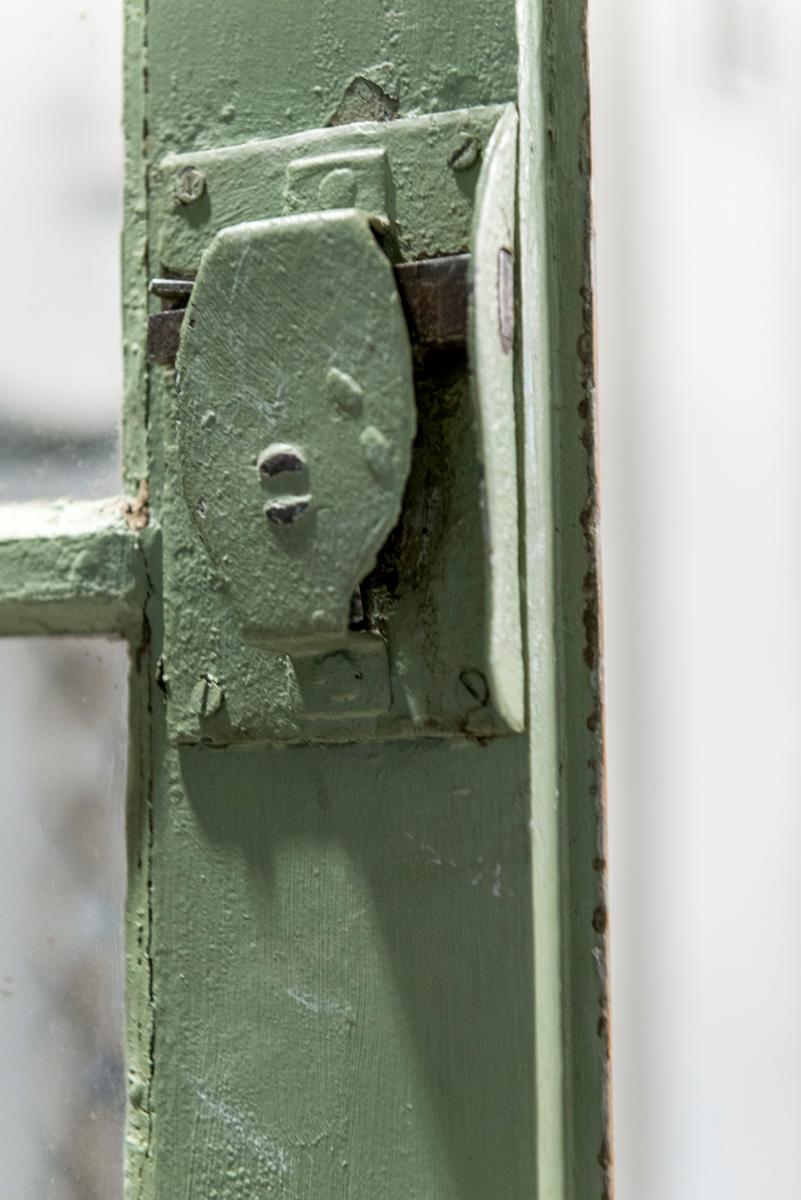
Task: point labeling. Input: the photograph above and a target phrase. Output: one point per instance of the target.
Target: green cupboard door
(357, 572)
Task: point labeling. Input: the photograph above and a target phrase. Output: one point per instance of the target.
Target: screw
(190, 185)
(338, 189)
(465, 154)
(475, 684)
(207, 696)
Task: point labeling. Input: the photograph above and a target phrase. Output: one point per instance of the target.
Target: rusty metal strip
(434, 292)
(163, 334)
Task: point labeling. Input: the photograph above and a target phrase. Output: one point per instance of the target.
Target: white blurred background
(60, 216)
(697, 110)
(63, 701)
(697, 132)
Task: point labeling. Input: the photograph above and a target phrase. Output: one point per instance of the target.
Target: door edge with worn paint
(570, 1015)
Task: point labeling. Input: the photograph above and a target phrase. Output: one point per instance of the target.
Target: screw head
(464, 154)
(474, 684)
(190, 184)
(338, 189)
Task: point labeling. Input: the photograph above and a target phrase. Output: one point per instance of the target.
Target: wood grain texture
(347, 1009)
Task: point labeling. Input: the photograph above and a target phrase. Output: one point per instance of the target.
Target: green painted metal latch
(352, 508)
(296, 417)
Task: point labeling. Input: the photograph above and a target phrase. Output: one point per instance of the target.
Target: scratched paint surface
(355, 935)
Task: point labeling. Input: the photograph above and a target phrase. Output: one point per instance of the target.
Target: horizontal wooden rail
(73, 567)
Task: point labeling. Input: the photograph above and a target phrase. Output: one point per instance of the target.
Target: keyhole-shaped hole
(284, 471)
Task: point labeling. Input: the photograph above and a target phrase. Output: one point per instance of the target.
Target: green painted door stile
(367, 966)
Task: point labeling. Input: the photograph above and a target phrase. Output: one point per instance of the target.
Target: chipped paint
(364, 100)
(137, 510)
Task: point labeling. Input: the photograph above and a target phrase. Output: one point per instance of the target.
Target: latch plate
(418, 163)
(296, 417)
(434, 654)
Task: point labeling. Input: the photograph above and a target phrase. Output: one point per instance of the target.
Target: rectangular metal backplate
(419, 662)
(420, 172)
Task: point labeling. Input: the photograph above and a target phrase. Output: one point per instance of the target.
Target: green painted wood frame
(367, 969)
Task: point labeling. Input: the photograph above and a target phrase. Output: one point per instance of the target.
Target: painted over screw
(190, 185)
(465, 154)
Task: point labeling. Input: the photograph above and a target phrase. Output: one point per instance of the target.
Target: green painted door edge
(575, 1158)
(209, 844)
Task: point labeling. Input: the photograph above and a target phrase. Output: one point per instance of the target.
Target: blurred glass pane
(60, 212)
(62, 883)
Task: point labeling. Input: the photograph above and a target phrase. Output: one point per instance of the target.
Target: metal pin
(171, 289)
